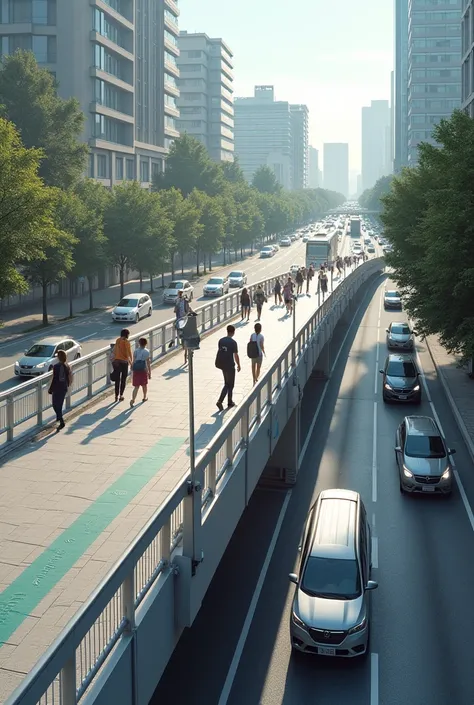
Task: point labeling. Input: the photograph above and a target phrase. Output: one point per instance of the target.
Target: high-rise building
(263, 135)
(314, 172)
(119, 59)
(206, 93)
(375, 142)
(336, 167)
(300, 145)
(468, 58)
(391, 136)
(434, 68)
(400, 99)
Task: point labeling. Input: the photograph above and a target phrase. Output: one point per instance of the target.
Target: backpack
(252, 349)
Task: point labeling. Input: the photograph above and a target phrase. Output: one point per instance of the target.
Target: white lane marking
(375, 552)
(229, 681)
(86, 337)
(373, 521)
(323, 395)
(374, 456)
(377, 346)
(374, 679)
(2, 369)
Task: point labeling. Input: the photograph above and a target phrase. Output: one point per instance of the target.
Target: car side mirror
(451, 451)
(387, 330)
(398, 449)
(293, 578)
(414, 332)
(381, 372)
(372, 585)
(26, 351)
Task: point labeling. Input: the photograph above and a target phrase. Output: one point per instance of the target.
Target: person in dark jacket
(61, 381)
(259, 299)
(245, 304)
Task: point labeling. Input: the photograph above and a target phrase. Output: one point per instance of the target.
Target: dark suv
(401, 380)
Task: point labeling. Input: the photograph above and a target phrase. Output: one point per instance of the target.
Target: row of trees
(55, 225)
(429, 218)
(371, 197)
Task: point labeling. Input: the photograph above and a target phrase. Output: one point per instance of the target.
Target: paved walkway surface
(70, 503)
(459, 388)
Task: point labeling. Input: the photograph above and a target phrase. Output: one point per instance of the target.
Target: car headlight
(17, 364)
(387, 386)
(446, 474)
(40, 365)
(407, 472)
(358, 627)
(299, 622)
(416, 388)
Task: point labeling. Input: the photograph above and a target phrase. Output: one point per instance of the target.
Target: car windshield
(332, 578)
(235, 275)
(424, 447)
(215, 280)
(176, 285)
(401, 368)
(128, 303)
(400, 329)
(41, 351)
(392, 294)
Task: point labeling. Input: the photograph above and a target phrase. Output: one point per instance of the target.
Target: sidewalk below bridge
(71, 502)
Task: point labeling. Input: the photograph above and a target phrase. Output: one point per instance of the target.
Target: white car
(216, 286)
(285, 242)
(170, 294)
(305, 238)
(267, 251)
(237, 279)
(41, 357)
(132, 308)
(294, 268)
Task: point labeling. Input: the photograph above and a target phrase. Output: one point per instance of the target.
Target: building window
(119, 168)
(144, 170)
(156, 169)
(91, 166)
(170, 59)
(170, 80)
(130, 166)
(44, 48)
(193, 54)
(101, 166)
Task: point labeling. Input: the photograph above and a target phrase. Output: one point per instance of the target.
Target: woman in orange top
(122, 359)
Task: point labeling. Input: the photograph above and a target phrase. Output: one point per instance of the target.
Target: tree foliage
(265, 181)
(429, 218)
(371, 198)
(28, 96)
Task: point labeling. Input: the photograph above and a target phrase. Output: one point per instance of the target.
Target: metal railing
(27, 407)
(67, 669)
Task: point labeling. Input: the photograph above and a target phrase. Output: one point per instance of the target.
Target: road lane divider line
(373, 521)
(86, 337)
(374, 456)
(375, 552)
(229, 681)
(374, 679)
(2, 369)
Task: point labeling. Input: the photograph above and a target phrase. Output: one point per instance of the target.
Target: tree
(212, 220)
(265, 181)
(189, 167)
(429, 218)
(184, 218)
(54, 264)
(26, 209)
(152, 253)
(371, 198)
(28, 96)
(232, 172)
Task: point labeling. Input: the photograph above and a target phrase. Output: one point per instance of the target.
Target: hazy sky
(333, 55)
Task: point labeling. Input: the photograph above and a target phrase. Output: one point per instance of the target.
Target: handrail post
(128, 601)
(165, 541)
(68, 682)
(212, 475)
(90, 378)
(10, 417)
(39, 401)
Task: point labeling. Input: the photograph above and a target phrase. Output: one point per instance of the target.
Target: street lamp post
(293, 353)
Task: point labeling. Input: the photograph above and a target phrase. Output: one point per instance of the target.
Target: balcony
(173, 7)
(116, 48)
(112, 12)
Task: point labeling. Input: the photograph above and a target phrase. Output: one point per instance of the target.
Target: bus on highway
(355, 227)
(322, 248)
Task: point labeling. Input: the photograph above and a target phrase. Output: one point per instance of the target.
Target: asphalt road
(238, 650)
(96, 331)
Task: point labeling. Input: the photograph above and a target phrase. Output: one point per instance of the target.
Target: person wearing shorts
(258, 338)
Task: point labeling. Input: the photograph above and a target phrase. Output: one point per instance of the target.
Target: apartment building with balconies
(206, 93)
(119, 59)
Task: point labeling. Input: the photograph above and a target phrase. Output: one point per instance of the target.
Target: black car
(401, 380)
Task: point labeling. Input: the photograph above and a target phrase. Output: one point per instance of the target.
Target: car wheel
(50, 368)
(149, 311)
(418, 401)
(137, 318)
(384, 398)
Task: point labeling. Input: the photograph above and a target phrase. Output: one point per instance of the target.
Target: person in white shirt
(258, 338)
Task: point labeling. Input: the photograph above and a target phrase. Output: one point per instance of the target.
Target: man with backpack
(226, 359)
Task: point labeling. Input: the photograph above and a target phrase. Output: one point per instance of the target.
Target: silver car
(237, 279)
(392, 300)
(41, 357)
(330, 614)
(422, 457)
(400, 337)
(216, 286)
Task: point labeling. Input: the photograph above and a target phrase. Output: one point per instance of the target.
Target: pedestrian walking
(226, 359)
(122, 359)
(61, 381)
(309, 277)
(141, 370)
(277, 292)
(245, 304)
(288, 296)
(256, 351)
(299, 282)
(323, 281)
(259, 299)
(182, 308)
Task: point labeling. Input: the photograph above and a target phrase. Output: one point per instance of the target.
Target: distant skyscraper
(359, 184)
(468, 58)
(314, 181)
(392, 121)
(434, 68)
(263, 135)
(375, 142)
(206, 95)
(300, 145)
(400, 101)
(336, 167)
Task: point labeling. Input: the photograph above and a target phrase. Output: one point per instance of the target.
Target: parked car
(401, 379)
(132, 307)
(237, 279)
(422, 457)
(41, 357)
(399, 336)
(170, 294)
(392, 300)
(216, 286)
(330, 613)
(267, 251)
